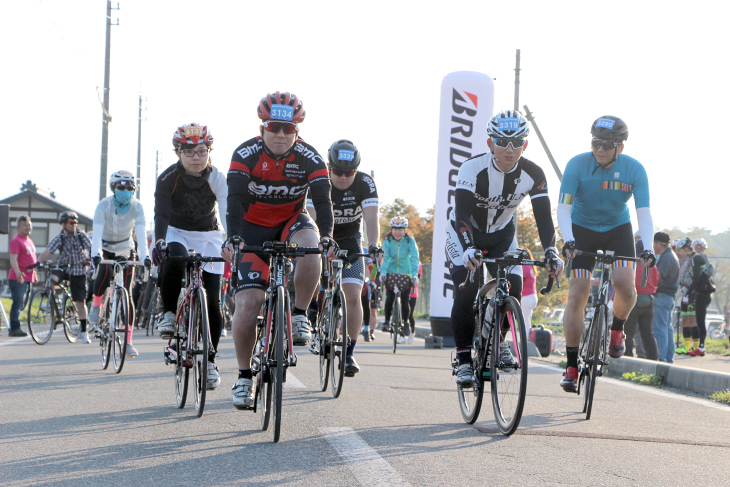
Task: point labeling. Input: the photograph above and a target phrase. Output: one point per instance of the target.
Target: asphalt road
(67, 422)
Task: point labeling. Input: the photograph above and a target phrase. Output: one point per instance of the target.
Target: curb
(694, 380)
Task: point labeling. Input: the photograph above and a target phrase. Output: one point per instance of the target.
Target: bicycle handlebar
(47, 265)
(507, 261)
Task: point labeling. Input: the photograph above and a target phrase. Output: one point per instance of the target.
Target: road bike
(397, 321)
(116, 315)
(331, 339)
(273, 353)
(593, 349)
(191, 346)
(50, 306)
(507, 376)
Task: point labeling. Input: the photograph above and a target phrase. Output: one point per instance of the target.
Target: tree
(419, 227)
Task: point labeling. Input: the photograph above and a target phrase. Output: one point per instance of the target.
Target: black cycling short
(619, 239)
(253, 270)
(78, 284)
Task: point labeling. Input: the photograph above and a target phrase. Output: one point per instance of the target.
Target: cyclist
(702, 297)
(186, 219)
(75, 246)
(593, 214)
(399, 268)
(267, 185)
(490, 188)
(354, 198)
(114, 219)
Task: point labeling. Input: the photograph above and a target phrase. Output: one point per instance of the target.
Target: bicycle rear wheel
(509, 377)
(71, 323)
(338, 342)
(396, 326)
(277, 376)
(120, 329)
(41, 316)
(200, 345)
(323, 345)
(595, 362)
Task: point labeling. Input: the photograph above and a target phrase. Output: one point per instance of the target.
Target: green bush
(721, 396)
(646, 379)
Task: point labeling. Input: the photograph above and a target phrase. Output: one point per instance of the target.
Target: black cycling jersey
(267, 191)
(347, 204)
(186, 201)
(486, 198)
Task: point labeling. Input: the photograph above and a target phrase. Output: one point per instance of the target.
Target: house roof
(30, 189)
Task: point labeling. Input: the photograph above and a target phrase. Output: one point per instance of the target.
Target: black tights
(171, 281)
(701, 303)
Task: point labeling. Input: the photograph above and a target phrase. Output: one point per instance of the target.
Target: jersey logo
(264, 190)
(543, 185)
(616, 175)
(254, 275)
(264, 165)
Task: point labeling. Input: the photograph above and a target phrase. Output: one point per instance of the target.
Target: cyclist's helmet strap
(343, 155)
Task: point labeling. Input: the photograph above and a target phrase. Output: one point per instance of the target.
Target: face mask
(123, 196)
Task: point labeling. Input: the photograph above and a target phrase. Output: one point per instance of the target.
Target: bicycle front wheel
(41, 316)
(509, 367)
(120, 329)
(338, 342)
(595, 359)
(200, 346)
(182, 373)
(396, 326)
(71, 323)
(262, 350)
(277, 377)
(323, 345)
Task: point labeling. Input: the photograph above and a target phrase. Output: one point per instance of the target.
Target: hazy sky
(370, 72)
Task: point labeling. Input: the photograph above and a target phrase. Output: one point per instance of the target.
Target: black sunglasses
(605, 144)
(503, 142)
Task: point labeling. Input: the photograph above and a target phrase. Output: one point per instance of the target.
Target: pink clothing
(414, 289)
(25, 248)
(529, 280)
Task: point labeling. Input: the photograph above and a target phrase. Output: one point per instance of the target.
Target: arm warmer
(544, 220)
(463, 209)
(323, 206)
(646, 225)
(565, 222)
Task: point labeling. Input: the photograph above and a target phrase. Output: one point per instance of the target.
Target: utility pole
(544, 144)
(157, 164)
(517, 82)
(139, 145)
(106, 118)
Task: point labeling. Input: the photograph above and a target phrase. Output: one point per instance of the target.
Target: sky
(370, 72)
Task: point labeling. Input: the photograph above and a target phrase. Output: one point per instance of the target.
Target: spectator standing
(703, 297)
(22, 254)
(642, 316)
(529, 291)
(687, 309)
(668, 266)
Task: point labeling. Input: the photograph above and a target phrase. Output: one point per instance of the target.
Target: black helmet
(343, 155)
(66, 215)
(609, 127)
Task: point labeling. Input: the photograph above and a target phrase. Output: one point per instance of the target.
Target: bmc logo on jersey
(264, 190)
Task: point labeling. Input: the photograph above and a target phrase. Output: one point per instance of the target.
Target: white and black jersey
(347, 205)
(486, 198)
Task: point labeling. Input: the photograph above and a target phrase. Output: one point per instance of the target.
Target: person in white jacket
(115, 218)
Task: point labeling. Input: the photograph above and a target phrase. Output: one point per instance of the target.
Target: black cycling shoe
(351, 367)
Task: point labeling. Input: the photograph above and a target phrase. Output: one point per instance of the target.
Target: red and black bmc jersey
(269, 192)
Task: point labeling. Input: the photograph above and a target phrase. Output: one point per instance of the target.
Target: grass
(717, 347)
(721, 396)
(562, 364)
(646, 379)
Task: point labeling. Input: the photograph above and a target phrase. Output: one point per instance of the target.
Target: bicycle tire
(277, 377)
(471, 398)
(323, 345)
(200, 344)
(509, 381)
(338, 343)
(41, 316)
(396, 326)
(120, 330)
(71, 323)
(182, 374)
(595, 366)
(263, 391)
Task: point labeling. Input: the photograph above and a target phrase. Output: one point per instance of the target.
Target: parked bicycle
(50, 306)
(116, 315)
(593, 349)
(492, 360)
(331, 340)
(273, 352)
(191, 346)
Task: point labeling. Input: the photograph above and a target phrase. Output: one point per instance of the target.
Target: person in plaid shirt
(74, 246)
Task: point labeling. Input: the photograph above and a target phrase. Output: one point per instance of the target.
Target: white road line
(14, 340)
(292, 382)
(369, 468)
(650, 390)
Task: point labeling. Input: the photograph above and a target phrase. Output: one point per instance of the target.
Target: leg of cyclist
(623, 280)
(579, 288)
(128, 282)
(101, 283)
(78, 294)
(243, 324)
(389, 299)
(352, 292)
(212, 284)
(171, 276)
(306, 282)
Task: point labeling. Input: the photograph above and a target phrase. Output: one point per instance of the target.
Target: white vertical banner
(467, 104)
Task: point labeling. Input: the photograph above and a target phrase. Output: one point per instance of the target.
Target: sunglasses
(503, 142)
(274, 127)
(72, 222)
(605, 144)
(124, 187)
(337, 172)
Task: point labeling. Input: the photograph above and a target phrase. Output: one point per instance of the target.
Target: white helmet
(684, 242)
(399, 222)
(509, 123)
(701, 242)
(123, 177)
